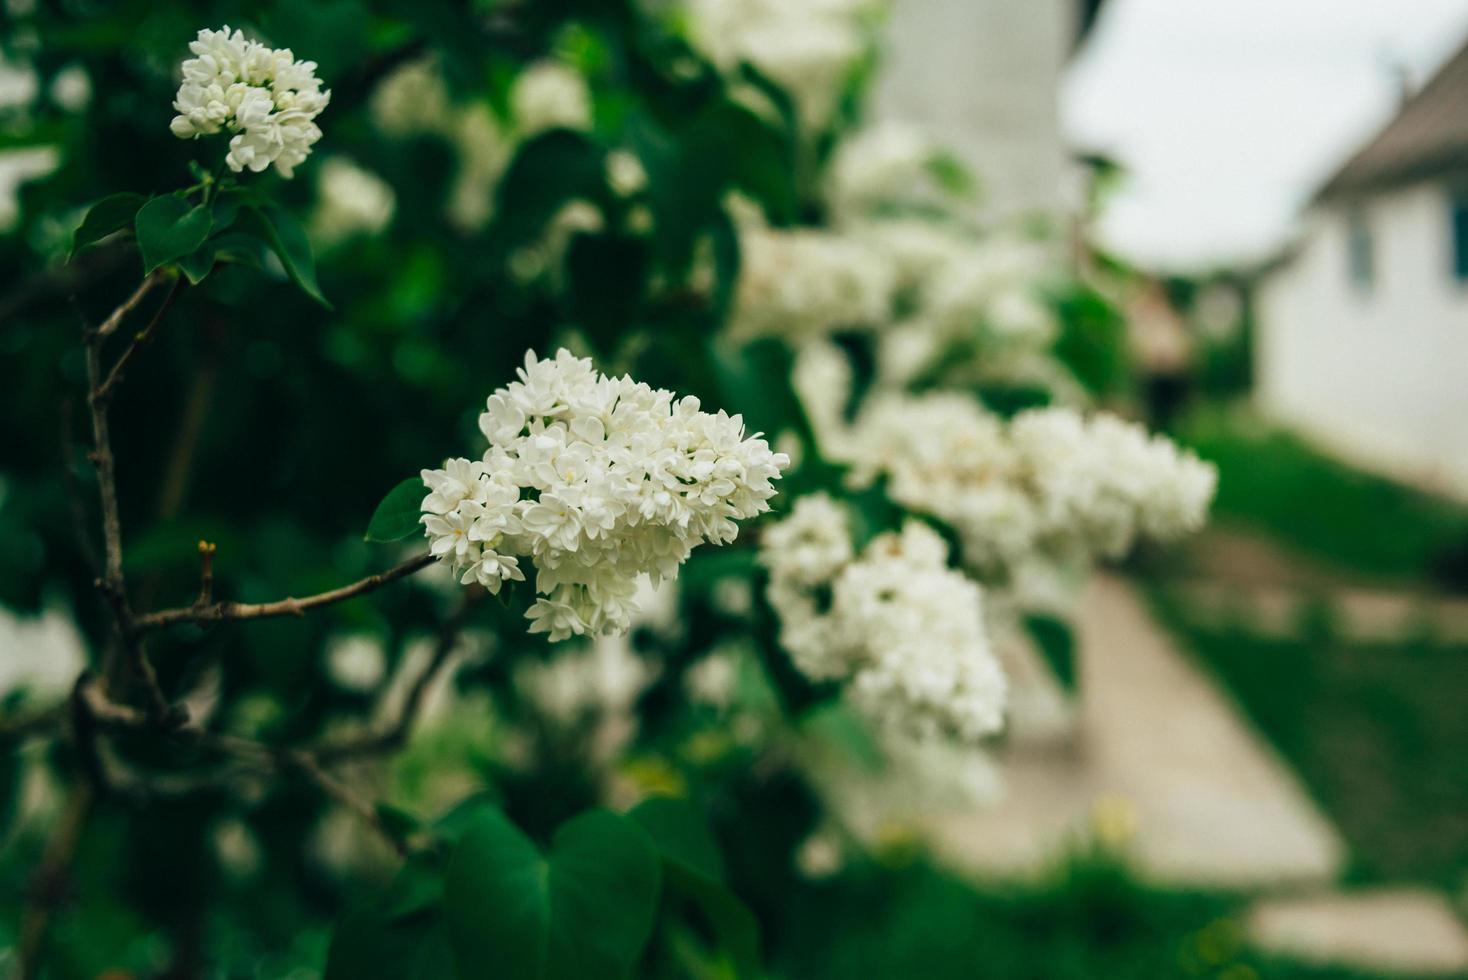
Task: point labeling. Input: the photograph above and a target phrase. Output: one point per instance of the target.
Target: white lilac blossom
(415, 99)
(1049, 485)
(352, 201)
(808, 47)
(550, 95)
(884, 170)
(902, 631)
(801, 283)
(262, 95)
(595, 480)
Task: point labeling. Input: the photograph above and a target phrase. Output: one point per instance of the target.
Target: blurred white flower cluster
(802, 282)
(596, 480)
(351, 201)
(902, 630)
(1048, 485)
(808, 47)
(550, 95)
(887, 168)
(263, 95)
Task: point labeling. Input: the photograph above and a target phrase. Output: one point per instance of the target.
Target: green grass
(1093, 920)
(1278, 483)
(1378, 732)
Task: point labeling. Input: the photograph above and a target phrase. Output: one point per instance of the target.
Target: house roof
(1428, 137)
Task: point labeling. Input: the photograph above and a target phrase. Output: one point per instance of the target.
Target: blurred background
(1254, 764)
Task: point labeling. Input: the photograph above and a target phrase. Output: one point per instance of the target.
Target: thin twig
(307, 765)
(396, 734)
(206, 573)
(222, 612)
(104, 391)
(112, 322)
(112, 583)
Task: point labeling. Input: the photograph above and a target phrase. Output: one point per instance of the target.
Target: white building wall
(983, 77)
(1379, 375)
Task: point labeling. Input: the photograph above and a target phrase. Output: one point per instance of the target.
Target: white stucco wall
(983, 77)
(1380, 375)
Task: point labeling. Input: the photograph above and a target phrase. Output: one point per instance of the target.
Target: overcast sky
(1229, 114)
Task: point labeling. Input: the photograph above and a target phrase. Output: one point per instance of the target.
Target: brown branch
(307, 764)
(103, 392)
(206, 573)
(113, 321)
(112, 583)
(222, 612)
(396, 734)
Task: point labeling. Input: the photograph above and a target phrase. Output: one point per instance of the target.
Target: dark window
(1360, 251)
(1458, 212)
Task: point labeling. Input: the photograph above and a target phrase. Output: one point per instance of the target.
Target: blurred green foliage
(1376, 730)
(1277, 482)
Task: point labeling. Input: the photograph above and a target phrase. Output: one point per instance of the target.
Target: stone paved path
(1158, 749)
(1390, 930)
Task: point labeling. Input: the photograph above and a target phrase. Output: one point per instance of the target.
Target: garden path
(1160, 761)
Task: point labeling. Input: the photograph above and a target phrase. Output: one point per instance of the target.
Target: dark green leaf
(1057, 644)
(693, 868)
(288, 240)
(198, 263)
(169, 229)
(397, 821)
(681, 833)
(397, 935)
(397, 516)
(584, 910)
(111, 214)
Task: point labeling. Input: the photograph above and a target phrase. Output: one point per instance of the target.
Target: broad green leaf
(693, 868)
(397, 935)
(169, 229)
(585, 909)
(111, 214)
(198, 263)
(681, 833)
(288, 240)
(397, 516)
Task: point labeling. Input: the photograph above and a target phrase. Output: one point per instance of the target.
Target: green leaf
(586, 909)
(169, 229)
(681, 833)
(198, 263)
(111, 214)
(1057, 645)
(397, 516)
(693, 868)
(10, 772)
(398, 934)
(288, 240)
(401, 823)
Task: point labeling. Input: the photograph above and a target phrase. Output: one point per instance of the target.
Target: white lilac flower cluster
(351, 201)
(550, 95)
(803, 283)
(884, 169)
(263, 95)
(415, 99)
(596, 480)
(807, 47)
(900, 629)
(1049, 485)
